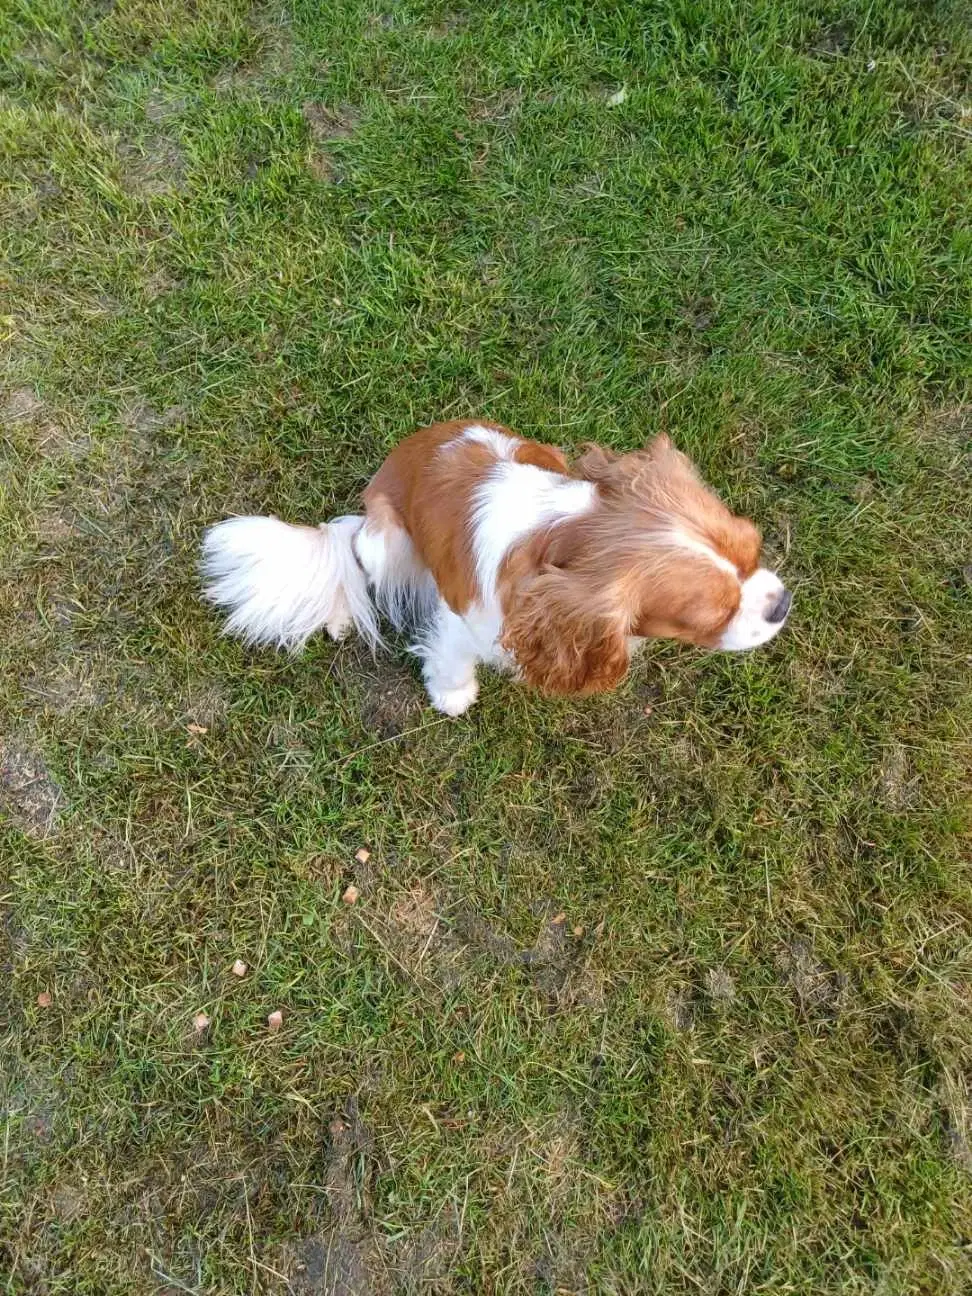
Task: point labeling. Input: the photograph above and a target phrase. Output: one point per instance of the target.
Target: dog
(491, 549)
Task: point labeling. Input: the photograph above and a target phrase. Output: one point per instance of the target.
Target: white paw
(453, 702)
(339, 622)
(338, 627)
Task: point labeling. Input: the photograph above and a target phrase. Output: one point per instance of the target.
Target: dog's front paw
(453, 702)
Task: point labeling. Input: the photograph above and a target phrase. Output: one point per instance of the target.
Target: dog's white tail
(281, 583)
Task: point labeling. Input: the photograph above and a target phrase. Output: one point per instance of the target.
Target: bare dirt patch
(130, 505)
(142, 418)
(833, 41)
(554, 962)
(897, 784)
(425, 1264)
(499, 108)
(158, 284)
(390, 700)
(819, 989)
(680, 1009)
(322, 168)
(325, 123)
(700, 313)
(331, 1264)
(304, 1264)
(28, 794)
(957, 1102)
(414, 914)
(153, 167)
(553, 953)
(951, 424)
(345, 1259)
(49, 435)
(453, 24)
(476, 933)
(72, 684)
(206, 705)
(556, 1270)
(425, 942)
(559, 1152)
(445, 943)
(30, 1100)
(68, 1202)
(273, 57)
(720, 985)
(21, 403)
(162, 106)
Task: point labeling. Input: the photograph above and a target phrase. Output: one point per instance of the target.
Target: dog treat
(239, 968)
(275, 1021)
(351, 895)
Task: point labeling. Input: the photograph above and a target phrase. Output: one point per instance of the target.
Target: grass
(668, 992)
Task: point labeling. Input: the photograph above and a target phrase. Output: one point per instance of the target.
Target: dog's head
(658, 556)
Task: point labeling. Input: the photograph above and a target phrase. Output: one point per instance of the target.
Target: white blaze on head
(763, 609)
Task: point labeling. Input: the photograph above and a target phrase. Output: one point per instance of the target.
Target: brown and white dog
(492, 549)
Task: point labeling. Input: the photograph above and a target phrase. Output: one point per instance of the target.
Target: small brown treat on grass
(44, 999)
(275, 1021)
(351, 895)
(200, 1023)
(239, 968)
(362, 855)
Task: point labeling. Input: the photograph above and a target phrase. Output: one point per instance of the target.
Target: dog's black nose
(778, 613)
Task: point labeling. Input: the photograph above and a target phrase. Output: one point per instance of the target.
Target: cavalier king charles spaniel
(492, 549)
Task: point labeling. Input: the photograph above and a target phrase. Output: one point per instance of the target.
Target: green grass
(246, 249)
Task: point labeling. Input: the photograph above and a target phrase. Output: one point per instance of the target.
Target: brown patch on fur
(427, 485)
(678, 601)
(541, 456)
(429, 494)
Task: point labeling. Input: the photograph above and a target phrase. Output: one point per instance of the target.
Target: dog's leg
(401, 584)
(450, 657)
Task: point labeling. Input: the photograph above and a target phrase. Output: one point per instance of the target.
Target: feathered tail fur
(281, 583)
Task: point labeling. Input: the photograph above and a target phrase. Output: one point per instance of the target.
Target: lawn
(663, 992)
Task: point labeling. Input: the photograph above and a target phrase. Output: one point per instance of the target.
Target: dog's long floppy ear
(564, 637)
